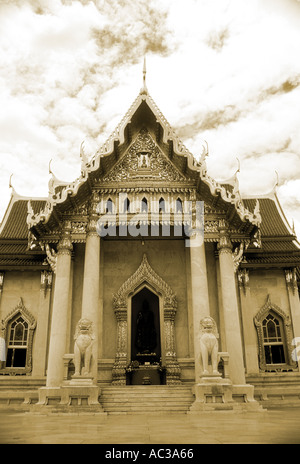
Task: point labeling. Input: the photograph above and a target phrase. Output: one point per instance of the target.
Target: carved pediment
(144, 160)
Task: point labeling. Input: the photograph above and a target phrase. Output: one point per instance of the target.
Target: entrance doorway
(158, 344)
(145, 328)
(145, 339)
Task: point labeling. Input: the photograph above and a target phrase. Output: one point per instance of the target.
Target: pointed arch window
(178, 206)
(19, 328)
(273, 340)
(126, 205)
(17, 343)
(274, 330)
(144, 205)
(109, 206)
(162, 205)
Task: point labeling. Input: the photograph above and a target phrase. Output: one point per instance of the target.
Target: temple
(147, 285)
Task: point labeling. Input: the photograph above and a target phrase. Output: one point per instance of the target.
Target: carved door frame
(145, 276)
(161, 318)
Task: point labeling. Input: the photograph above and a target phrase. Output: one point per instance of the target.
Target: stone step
(136, 399)
(153, 389)
(144, 395)
(125, 399)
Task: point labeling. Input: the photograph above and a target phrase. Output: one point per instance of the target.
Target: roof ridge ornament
(144, 90)
(84, 159)
(14, 193)
(10, 184)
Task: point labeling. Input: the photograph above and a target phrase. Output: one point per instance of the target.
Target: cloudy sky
(227, 71)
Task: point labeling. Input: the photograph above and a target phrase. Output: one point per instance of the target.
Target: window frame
(20, 312)
(285, 324)
(280, 339)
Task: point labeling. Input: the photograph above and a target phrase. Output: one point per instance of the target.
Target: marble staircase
(149, 399)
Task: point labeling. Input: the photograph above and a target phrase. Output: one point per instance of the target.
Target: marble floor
(223, 427)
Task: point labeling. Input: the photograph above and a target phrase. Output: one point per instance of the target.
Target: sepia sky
(227, 71)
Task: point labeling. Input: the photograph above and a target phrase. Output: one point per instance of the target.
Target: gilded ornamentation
(224, 245)
(144, 159)
(238, 254)
(51, 257)
(93, 212)
(79, 227)
(211, 226)
(65, 246)
(165, 169)
(144, 273)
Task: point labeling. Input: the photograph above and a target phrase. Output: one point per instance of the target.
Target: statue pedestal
(80, 391)
(215, 393)
(81, 381)
(79, 395)
(212, 379)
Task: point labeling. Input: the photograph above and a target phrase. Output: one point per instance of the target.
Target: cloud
(224, 71)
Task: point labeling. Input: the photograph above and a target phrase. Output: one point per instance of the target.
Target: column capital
(93, 214)
(224, 243)
(65, 246)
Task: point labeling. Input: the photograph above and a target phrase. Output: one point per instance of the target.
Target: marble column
(292, 289)
(230, 308)
(41, 334)
(200, 298)
(249, 329)
(91, 281)
(2, 342)
(59, 323)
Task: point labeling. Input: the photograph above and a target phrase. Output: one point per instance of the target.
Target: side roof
(14, 252)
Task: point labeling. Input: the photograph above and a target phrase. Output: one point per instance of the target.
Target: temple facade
(146, 276)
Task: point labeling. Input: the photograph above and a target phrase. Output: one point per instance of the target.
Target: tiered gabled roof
(41, 215)
(143, 112)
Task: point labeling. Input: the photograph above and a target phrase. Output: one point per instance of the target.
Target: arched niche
(146, 277)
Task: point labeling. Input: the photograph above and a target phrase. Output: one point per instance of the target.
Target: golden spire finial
(144, 72)
(144, 88)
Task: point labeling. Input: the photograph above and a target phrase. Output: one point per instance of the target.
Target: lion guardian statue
(84, 339)
(209, 345)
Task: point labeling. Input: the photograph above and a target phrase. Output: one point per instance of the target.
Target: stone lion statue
(84, 339)
(209, 345)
